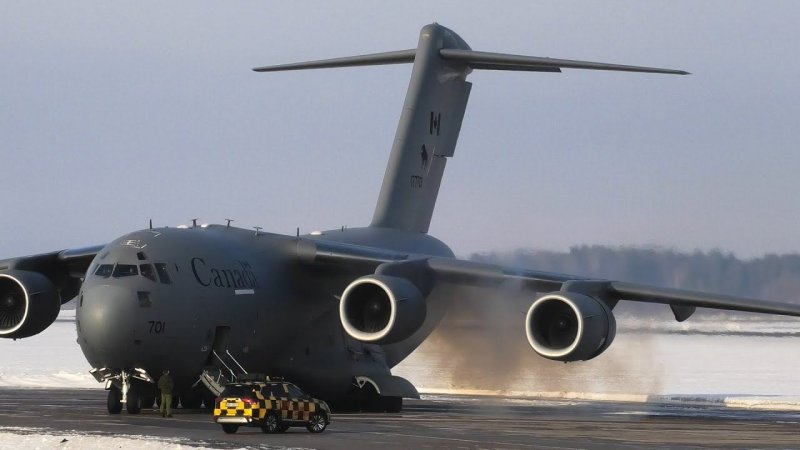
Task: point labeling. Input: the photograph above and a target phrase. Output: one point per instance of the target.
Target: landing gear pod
(382, 309)
(29, 303)
(567, 326)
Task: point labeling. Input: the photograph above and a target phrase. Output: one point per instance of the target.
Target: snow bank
(14, 438)
(755, 402)
(59, 379)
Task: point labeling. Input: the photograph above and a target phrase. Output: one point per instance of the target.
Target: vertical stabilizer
(432, 114)
(426, 135)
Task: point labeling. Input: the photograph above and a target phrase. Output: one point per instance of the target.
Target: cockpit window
(162, 273)
(125, 270)
(148, 272)
(104, 270)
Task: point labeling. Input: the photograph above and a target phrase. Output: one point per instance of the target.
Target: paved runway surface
(434, 422)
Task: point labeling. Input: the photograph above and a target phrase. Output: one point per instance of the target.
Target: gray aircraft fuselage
(192, 285)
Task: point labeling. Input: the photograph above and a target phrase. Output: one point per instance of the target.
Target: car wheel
(230, 428)
(271, 423)
(316, 423)
(114, 401)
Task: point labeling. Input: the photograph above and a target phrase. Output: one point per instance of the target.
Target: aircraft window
(148, 272)
(162, 273)
(104, 270)
(125, 270)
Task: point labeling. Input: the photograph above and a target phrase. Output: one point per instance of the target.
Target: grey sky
(115, 112)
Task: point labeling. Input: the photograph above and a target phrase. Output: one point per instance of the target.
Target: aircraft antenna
(194, 223)
(258, 229)
(298, 231)
(151, 224)
(229, 223)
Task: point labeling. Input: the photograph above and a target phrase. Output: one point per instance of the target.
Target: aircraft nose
(106, 323)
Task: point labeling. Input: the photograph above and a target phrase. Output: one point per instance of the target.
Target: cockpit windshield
(153, 272)
(125, 270)
(104, 270)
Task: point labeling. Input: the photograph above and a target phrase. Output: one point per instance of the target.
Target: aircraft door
(219, 345)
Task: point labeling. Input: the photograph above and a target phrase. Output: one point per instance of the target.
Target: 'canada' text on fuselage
(242, 278)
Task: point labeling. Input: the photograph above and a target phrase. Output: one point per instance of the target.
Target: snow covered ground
(14, 438)
(737, 362)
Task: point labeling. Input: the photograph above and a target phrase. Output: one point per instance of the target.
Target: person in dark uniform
(166, 385)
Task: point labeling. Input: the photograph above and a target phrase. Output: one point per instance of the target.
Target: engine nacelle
(29, 303)
(567, 326)
(382, 309)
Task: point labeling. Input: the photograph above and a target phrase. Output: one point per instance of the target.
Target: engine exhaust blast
(568, 326)
(382, 309)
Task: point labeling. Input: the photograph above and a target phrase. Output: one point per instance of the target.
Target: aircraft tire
(371, 401)
(134, 403)
(230, 428)
(113, 401)
(392, 404)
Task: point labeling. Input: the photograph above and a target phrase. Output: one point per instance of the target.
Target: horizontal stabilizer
(502, 61)
(473, 59)
(374, 59)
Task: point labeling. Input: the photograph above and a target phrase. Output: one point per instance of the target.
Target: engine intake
(381, 309)
(29, 303)
(568, 326)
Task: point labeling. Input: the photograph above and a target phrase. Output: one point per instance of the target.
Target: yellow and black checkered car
(273, 406)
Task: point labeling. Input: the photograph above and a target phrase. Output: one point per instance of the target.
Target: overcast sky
(112, 113)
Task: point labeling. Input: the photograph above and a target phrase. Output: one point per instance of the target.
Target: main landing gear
(363, 396)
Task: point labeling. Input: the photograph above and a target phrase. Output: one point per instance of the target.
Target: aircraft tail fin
(432, 114)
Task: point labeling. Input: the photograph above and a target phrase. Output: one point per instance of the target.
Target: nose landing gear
(132, 388)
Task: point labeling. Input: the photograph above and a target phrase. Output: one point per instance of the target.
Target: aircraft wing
(570, 318)
(682, 302)
(608, 290)
(63, 268)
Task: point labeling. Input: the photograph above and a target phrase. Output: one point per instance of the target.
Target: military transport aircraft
(333, 311)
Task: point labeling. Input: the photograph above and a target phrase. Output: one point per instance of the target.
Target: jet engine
(29, 303)
(382, 309)
(568, 326)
